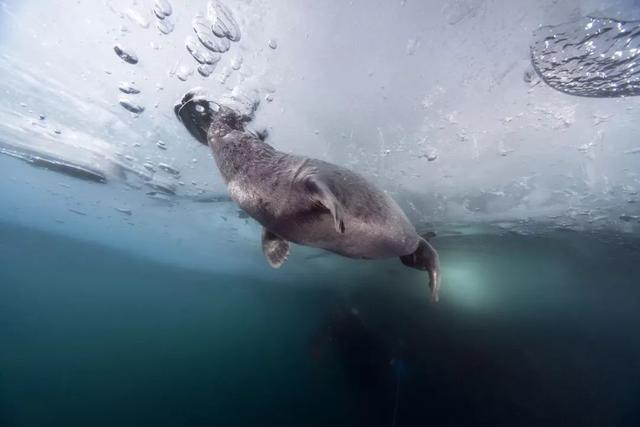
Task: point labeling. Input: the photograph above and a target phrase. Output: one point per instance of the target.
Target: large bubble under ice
(594, 57)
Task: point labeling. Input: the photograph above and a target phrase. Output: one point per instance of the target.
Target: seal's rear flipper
(275, 249)
(426, 258)
(428, 235)
(323, 195)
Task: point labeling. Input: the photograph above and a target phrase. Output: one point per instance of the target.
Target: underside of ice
(445, 112)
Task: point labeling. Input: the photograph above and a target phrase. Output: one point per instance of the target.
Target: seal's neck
(223, 122)
(236, 149)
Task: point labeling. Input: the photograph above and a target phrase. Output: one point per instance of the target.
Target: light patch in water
(464, 284)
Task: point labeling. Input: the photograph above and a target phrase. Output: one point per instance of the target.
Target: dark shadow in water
(94, 336)
(533, 362)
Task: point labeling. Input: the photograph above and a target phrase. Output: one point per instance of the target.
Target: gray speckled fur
(272, 187)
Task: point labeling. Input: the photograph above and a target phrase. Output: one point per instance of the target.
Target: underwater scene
(305, 213)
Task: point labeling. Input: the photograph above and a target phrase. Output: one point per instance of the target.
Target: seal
(303, 200)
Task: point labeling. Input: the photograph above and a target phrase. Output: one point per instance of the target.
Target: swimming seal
(303, 200)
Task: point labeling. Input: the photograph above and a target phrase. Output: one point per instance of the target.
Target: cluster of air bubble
(214, 32)
(162, 10)
(127, 102)
(128, 88)
(594, 57)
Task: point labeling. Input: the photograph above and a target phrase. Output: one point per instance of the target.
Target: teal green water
(530, 331)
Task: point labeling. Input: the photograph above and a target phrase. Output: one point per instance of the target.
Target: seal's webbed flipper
(323, 195)
(275, 249)
(428, 235)
(426, 258)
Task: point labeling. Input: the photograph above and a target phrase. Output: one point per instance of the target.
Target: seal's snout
(196, 112)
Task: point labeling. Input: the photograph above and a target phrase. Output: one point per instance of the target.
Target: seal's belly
(296, 219)
(359, 240)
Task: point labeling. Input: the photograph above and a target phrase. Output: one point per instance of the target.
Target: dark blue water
(530, 331)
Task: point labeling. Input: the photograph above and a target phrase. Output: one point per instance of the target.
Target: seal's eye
(200, 109)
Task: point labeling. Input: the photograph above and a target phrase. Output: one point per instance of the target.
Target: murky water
(530, 330)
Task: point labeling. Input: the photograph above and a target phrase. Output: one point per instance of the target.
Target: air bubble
(169, 169)
(224, 25)
(165, 26)
(162, 8)
(205, 70)
(131, 106)
(236, 62)
(136, 16)
(126, 55)
(199, 54)
(128, 88)
(184, 72)
(202, 27)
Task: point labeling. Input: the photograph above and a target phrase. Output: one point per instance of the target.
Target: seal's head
(426, 258)
(197, 112)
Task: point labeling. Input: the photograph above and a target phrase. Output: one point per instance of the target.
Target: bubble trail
(224, 24)
(202, 27)
(199, 54)
(162, 9)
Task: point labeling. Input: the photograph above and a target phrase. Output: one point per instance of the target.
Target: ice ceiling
(437, 102)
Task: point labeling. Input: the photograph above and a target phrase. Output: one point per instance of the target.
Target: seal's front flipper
(323, 195)
(275, 249)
